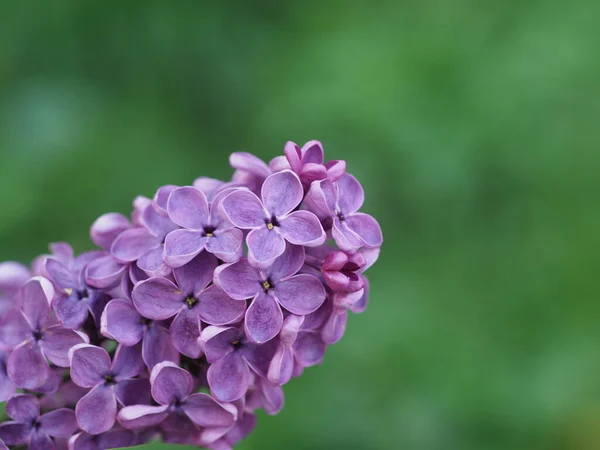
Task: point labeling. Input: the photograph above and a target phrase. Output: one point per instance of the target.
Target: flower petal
(133, 243)
(272, 397)
(60, 275)
(345, 238)
(157, 346)
(239, 280)
(107, 227)
(7, 387)
(70, 311)
(57, 342)
(89, 364)
(156, 220)
(322, 198)
(127, 362)
(185, 331)
(135, 391)
(12, 276)
(249, 163)
(227, 244)
(196, 275)
(217, 308)
(367, 228)
(27, 367)
(229, 377)
(97, 410)
(203, 410)
(350, 194)
(263, 319)
(152, 263)
(141, 416)
(244, 209)
(264, 246)
(309, 349)
(121, 322)
(14, 328)
(334, 328)
(36, 296)
(14, 433)
(282, 192)
(23, 408)
(157, 298)
(300, 294)
(302, 228)
(288, 263)
(280, 370)
(105, 272)
(188, 207)
(293, 153)
(40, 441)
(218, 341)
(181, 246)
(170, 383)
(60, 423)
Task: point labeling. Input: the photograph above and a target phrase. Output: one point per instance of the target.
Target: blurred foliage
(473, 127)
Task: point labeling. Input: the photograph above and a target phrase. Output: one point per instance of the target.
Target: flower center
(340, 215)
(209, 231)
(272, 222)
(38, 335)
(35, 424)
(236, 344)
(83, 294)
(109, 379)
(267, 285)
(190, 301)
(145, 322)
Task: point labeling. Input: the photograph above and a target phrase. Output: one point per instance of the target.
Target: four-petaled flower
(307, 162)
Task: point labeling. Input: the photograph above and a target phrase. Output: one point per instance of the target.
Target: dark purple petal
(185, 331)
(57, 342)
(36, 296)
(62, 277)
(139, 416)
(70, 311)
(157, 298)
(157, 346)
(127, 362)
(181, 246)
(14, 433)
(60, 423)
(300, 294)
(96, 412)
(188, 208)
(14, 328)
(203, 410)
(312, 152)
(282, 192)
(229, 377)
(218, 341)
(107, 227)
(302, 228)
(263, 318)
(264, 246)
(133, 243)
(350, 194)
(3, 445)
(196, 275)
(7, 387)
(121, 322)
(244, 209)
(288, 263)
(259, 357)
(89, 364)
(23, 408)
(215, 307)
(239, 280)
(105, 272)
(135, 391)
(367, 228)
(243, 427)
(27, 367)
(41, 441)
(170, 383)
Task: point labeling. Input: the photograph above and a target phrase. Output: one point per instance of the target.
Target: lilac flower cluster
(192, 314)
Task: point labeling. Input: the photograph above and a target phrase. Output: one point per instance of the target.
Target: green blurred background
(473, 126)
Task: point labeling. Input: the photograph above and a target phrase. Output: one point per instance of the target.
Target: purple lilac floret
(192, 313)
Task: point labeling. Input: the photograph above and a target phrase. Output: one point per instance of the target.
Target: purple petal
(229, 377)
(185, 331)
(203, 410)
(53, 382)
(293, 153)
(127, 362)
(272, 397)
(121, 322)
(239, 280)
(263, 319)
(208, 185)
(196, 275)
(181, 246)
(188, 208)
(345, 238)
(335, 169)
(264, 246)
(14, 328)
(350, 194)
(227, 244)
(157, 298)
(279, 163)
(133, 243)
(282, 192)
(334, 328)
(243, 427)
(280, 370)
(217, 308)
(309, 349)
(311, 172)
(156, 220)
(302, 228)
(14, 433)
(161, 198)
(23, 408)
(218, 341)
(312, 152)
(41, 441)
(322, 198)
(300, 294)
(57, 342)
(259, 357)
(359, 306)
(96, 412)
(107, 227)
(244, 209)
(7, 387)
(170, 383)
(70, 311)
(62, 277)
(36, 296)
(152, 263)
(105, 272)
(367, 228)
(89, 365)
(288, 263)
(60, 423)
(157, 346)
(140, 416)
(249, 163)
(12, 276)
(27, 367)
(135, 391)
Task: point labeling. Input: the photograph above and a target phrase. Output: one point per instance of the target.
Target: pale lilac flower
(29, 427)
(91, 368)
(252, 171)
(7, 387)
(123, 323)
(203, 228)
(272, 220)
(340, 202)
(116, 437)
(270, 289)
(190, 300)
(107, 227)
(266, 395)
(30, 332)
(12, 276)
(307, 162)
